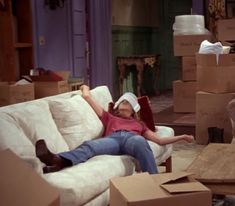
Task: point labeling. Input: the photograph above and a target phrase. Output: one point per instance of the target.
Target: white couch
(65, 121)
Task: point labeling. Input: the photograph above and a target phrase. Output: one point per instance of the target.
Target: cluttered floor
(183, 153)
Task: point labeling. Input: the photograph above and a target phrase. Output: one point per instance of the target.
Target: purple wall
(198, 7)
(54, 27)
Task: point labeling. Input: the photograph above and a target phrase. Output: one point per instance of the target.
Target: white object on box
(22, 82)
(189, 24)
(207, 47)
(226, 49)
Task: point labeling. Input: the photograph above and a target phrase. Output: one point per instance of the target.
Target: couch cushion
(12, 137)
(102, 96)
(76, 120)
(81, 183)
(36, 122)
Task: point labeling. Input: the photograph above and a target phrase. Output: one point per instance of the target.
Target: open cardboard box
(20, 185)
(213, 76)
(162, 189)
(49, 88)
(12, 94)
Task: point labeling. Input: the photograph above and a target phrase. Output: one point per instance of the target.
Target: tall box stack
(216, 87)
(187, 41)
(226, 30)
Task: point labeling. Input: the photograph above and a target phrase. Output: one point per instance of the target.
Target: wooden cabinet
(16, 39)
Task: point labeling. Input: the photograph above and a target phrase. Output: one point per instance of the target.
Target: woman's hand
(85, 91)
(88, 98)
(188, 138)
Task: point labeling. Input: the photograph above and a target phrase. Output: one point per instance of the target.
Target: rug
(188, 119)
(161, 102)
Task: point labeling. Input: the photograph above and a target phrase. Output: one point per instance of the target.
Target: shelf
(23, 45)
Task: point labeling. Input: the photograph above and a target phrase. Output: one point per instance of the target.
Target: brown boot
(53, 162)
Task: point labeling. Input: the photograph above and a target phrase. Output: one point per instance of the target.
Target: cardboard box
(161, 189)
(20, 185)
(226, 29)
(211, 112)
(45, 89)
(189, 68)
(11, 94)
(216, 77)
(184, 96)
(188, 45)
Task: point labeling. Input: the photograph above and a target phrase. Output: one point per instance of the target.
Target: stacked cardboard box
(11, 93)
(226, 30)
(216, 87)
(215, 77)
(48, 88)
(185, 46)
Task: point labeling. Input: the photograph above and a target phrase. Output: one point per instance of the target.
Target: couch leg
(168, 164)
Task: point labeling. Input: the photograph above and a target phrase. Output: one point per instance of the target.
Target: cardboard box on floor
(211, 112)
(188, 45)
(161, 189)
(11, 94)
(216, 77)
(226, 29)
(184, 96)
(189, 68)
(20, 185)
(49, 88)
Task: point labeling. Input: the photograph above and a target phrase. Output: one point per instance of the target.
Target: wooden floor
(167, 117)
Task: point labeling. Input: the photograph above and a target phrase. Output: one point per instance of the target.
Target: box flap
(184, 187)
(172, 177)
(137, 187)
(21, 185)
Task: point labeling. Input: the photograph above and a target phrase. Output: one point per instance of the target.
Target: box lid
(21, 185)
(172, 177)
(184, 187)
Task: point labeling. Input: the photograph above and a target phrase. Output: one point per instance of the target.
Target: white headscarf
(131, 98)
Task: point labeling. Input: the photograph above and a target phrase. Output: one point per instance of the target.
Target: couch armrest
(164, 131)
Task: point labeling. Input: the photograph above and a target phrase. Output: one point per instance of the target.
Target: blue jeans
(118, 143)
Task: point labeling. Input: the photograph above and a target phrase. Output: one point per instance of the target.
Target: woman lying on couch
(124, 135)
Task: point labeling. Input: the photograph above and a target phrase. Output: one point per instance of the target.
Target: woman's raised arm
(87, 96)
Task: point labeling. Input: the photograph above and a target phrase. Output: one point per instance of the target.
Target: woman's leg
(56, 162)
(92, 148)
(138, 147)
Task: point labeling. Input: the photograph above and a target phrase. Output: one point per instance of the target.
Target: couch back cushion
(102, 96)
(36, 122)
(76, 120)
(12, 137)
